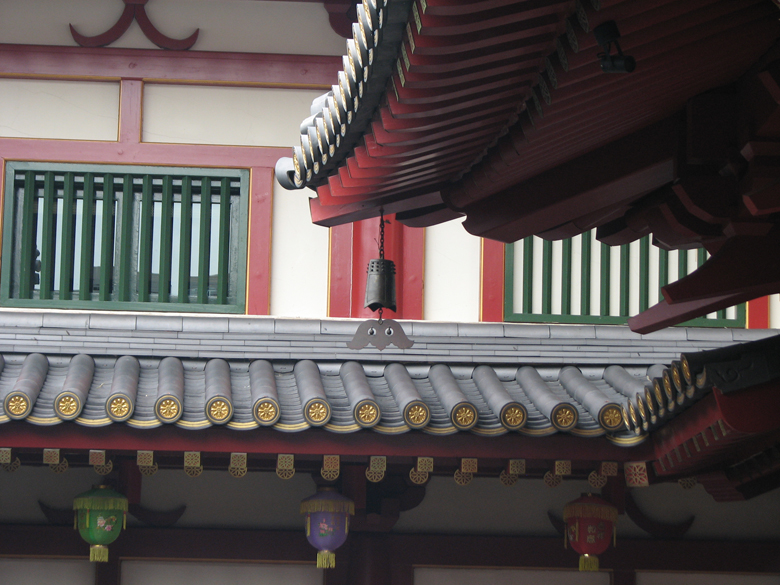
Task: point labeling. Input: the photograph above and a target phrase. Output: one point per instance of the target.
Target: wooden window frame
(127, 238)
(526, 315)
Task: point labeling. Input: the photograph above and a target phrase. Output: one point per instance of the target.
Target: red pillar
(758, 313)
(258, 285)
(351, 248)
(492, 281)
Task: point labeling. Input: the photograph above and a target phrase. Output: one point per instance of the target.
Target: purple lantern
(327, 523)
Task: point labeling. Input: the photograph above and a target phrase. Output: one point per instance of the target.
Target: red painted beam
(293, 71)
(139, 154)
(743, 265)
(69, 436)
(330, 215)
(575, 188)
(665, 315)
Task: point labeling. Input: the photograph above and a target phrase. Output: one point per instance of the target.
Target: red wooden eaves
(118, 437)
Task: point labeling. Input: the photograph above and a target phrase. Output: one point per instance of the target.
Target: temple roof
(194, 372)
(499, 110)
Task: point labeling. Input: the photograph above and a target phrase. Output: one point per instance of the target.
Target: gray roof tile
(239, 339)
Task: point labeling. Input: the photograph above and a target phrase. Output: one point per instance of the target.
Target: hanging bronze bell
(380, 285)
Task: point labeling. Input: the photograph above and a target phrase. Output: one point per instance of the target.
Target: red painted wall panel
(492, 281)
(758, 313)
(351, 248)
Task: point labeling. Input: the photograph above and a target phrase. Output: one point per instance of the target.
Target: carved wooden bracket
(134, 9)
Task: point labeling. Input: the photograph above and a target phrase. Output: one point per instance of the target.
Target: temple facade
(174, 325)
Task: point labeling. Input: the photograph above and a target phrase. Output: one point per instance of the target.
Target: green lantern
(101, 514)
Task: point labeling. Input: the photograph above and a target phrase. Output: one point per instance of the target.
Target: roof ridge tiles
(208, 336)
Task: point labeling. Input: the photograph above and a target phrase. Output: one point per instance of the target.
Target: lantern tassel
(98, 553)
(326, 559)
(589, 563)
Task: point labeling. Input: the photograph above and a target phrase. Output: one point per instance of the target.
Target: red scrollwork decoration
(134, 9)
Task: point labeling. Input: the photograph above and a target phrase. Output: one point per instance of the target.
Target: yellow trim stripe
(193, 425)
(342, 428)
(53, 420)
(143, 424)
(385, 430)
(91, 422)
(627, 441)
(296, 427)
(242, 426)
(551, 430)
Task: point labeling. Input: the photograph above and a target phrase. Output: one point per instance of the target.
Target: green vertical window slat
(107, 239)
(204, 261)
(145, 243)
(528, 274)
(604, 279)
(587, 239)
(79, 239)
(722, 314)
(566, 277)
(27, 255)
(48, 236)
(509, 281)
(67, 238)
(624, 280)
(224, 242)
(644, 273)
(547, 272)
(185, 239)
(682, 263)
(87, 238)
(126, 240)
(166, 241)
(663, 268)
(701, 256)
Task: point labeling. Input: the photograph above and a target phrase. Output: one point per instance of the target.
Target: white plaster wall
(299, 258)
(196, 573)
(425, 576)
(299, 28)
(774, 311)
(452, 273)
(241, 116)
(77, 110)
(47, 571)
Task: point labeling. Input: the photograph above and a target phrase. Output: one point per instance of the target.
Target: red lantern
(590, 526)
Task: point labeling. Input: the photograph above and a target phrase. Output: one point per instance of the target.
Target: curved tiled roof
(194, 372)
(452, 103)
(294, 396)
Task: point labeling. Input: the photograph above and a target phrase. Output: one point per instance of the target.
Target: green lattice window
(581, 280)
(140, 238)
